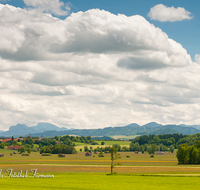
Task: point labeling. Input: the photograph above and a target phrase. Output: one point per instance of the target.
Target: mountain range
(50, 130)
(22, 129)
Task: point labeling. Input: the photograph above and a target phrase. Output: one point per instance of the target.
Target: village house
(88, 154)
(8, 139)
(61, 155)
(14, 147)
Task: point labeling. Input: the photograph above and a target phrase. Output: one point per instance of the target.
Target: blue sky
(97, 68)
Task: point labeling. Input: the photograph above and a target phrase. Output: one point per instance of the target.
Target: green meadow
(80, 172)
(107, 143)
(96, 181)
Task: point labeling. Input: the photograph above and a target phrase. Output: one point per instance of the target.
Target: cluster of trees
(24, 149)
(2, 145)
(166, 140)
(106, 149)
(27, 141)
(189, 154)
(58, 148)
(150, 148)
(67, 140)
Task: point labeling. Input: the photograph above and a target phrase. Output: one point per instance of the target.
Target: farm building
(62, 155)
(160, 153)
(1, 155)
(136, 152)
(88, 154)
(14, 147)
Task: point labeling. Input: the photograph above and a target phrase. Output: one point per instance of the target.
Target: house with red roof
(14, 147)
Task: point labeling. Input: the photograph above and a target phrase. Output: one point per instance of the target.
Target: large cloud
(163, 13)
(56, 7)
(197, 58)
(93, 69)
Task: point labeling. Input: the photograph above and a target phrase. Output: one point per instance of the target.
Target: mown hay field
(77, 171)
(137, 163)
(80, 159)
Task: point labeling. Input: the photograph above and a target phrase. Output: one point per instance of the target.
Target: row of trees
(133, 147)
(147, 147)
(57, 149)
(166, 140)
(189, 154)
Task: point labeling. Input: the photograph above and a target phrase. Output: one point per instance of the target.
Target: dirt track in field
(94, 168)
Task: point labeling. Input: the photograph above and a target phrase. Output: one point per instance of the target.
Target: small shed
(136, 152)
(88, 154)
(1, 155)
(61, 155)
(160, 153)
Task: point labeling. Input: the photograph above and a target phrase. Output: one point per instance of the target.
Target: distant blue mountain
(22, 129)
(41, 127)
(152, 124)
(19, 129)
(48, 129)
(132, 125)
(194, 126)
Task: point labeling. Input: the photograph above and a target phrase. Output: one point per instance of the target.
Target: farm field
(107, 143)
(139, 171)
(97, 181)
(124, 136)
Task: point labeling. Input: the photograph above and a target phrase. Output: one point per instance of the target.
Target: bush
(127, 156)
(25, 154)
(152, 156)
(46, 154)
(100, 154)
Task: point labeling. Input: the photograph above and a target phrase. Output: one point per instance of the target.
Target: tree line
(189, 154)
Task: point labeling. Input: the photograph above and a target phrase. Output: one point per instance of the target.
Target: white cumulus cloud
(163, 13)
(56, 7)
(92, 69)
(197, 58)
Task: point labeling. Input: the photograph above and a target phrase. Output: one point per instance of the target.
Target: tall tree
(182, 154)
(114, 155)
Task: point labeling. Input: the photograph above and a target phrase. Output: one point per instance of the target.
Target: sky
(94, 64)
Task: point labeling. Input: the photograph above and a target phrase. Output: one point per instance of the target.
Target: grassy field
(96, 181)
(121, 143)
(139, 171)
(124, 137)
(107, 143)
